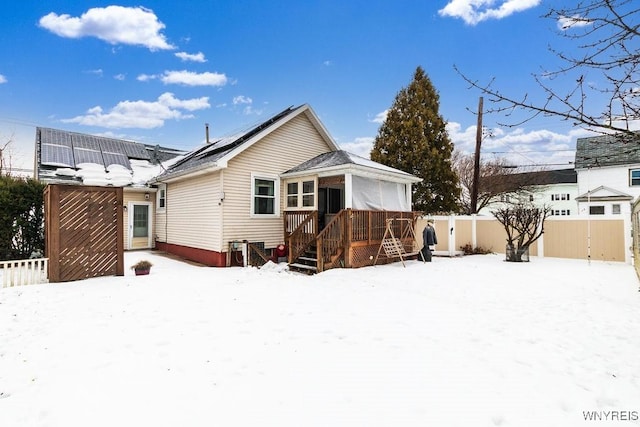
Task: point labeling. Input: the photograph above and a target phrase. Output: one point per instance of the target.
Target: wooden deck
(350, 240)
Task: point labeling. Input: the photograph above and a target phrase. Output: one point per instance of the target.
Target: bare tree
(5, 156)
(497, 178)
(524, 224)
(605, 36)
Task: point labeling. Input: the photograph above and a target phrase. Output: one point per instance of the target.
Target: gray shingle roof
(607, 150)
(342, 158)
(517, 181)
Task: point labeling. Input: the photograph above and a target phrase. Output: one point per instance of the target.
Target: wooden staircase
(307, 262)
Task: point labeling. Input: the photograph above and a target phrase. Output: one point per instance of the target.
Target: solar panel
(112, 146)
(116, 159)
(56, 155)
(85, 141)
(54, 136)
(87, 156)
(135, 150)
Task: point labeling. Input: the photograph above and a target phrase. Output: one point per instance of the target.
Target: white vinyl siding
(193, 212)
(286, 147)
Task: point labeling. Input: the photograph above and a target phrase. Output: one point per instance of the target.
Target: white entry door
(140, 225)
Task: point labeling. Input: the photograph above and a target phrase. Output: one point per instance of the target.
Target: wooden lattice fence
(83, 232)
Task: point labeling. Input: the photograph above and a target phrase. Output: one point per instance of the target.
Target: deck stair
(307, 262)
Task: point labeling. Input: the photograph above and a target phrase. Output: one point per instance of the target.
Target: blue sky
(157, 71)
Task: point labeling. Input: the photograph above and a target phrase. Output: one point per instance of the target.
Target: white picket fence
(24, 272)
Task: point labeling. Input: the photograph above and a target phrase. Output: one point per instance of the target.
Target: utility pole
(476, 163)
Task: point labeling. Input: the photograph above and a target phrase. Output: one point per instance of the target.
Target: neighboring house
(78, 159)
(555, 189)
(263, 185)
(608, 169)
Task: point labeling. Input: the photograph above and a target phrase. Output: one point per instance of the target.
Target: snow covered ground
(470, 341)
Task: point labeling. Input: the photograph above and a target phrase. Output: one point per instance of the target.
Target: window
(161, 197)
(615, 209)
(308, 193)
(264, 195)
(531, 197)
(596, 210)
(568, 211)
(634, 177)
(292, 195)
(301, 194)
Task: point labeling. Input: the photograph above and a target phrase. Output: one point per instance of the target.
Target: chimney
(206, 128)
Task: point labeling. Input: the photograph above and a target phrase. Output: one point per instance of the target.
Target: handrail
(302, 237)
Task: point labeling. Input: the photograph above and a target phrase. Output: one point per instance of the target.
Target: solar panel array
(67, 149)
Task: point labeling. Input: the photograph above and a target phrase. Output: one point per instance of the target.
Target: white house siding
(569, 206)
(542, 197)
(286, 147)
(160, 226)
(614, 177)
(192, 213)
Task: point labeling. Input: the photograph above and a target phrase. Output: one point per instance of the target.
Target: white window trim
(300, 194)
(631, 177)
(276, 195)
(160, 188)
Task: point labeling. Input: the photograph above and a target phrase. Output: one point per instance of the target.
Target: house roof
(607, 150)
(517, 181)
(603, 193)
(216, 154)
(333, 161)
(77, 158)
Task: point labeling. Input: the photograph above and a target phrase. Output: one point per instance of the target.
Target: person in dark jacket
(429, 239)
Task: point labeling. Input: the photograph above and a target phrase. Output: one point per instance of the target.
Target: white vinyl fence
(24, 272)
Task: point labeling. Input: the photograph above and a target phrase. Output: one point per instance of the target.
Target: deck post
(347, 238)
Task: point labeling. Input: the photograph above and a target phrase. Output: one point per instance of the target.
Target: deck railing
(24, 272)
(346, 228)
(301, 229)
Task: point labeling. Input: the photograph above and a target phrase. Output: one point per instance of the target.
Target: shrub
(479, 250)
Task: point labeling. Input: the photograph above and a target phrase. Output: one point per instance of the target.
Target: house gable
(218, 154)
(603, 194)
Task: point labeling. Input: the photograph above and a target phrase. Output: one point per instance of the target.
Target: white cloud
(242, 100)
(359, 146)
(380, 117)
(120, 77)
(189, 78)
(474, 11)
(566, 23)
(146, 77)
(3, 79)
(98, 72)
(141, 114)
(136, 26)
(327, 63)
(248, 110)
(195, 57)
(518, 146)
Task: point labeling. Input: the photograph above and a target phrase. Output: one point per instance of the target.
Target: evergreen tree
(413, 139)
